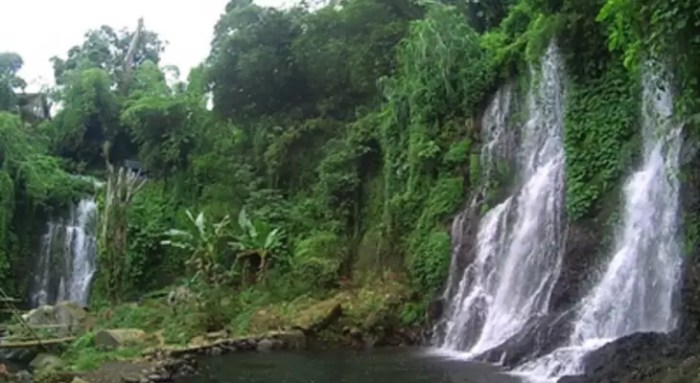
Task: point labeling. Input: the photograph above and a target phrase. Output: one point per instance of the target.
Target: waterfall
(519, 242)
(635, 292)
(66, 260)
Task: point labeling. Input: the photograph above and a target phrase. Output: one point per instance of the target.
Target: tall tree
(106, 49)
(10, 82)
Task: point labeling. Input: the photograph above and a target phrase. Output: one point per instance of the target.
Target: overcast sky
(40, 29)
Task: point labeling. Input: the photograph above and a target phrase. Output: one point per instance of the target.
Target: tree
(343, 51)
(106, 49)
(122, 185)
(251, 65)
(164, 128)
(89, 117)
(10, 82)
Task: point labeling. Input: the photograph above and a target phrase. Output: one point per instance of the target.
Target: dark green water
(376, 366)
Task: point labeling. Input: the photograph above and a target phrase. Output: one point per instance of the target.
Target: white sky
(40, 29)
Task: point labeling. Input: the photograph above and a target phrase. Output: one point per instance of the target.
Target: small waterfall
(635, 293)
(497, 145)
(66, 262)
(519, 241)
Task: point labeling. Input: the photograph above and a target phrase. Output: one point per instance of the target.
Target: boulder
(79, 380)
(46, 362)
(636, 358)
(291, 340)
(63, 319)
(123, 337)
(266, 345)
(318, 317)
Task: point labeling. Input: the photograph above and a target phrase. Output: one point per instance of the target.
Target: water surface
(373, 366)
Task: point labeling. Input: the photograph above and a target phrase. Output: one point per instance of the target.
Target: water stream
(66, 260)
(635, 293)
(519, 241)
(343, 366)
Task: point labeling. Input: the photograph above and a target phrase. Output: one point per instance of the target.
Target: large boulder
(123, 337)
(636, 358)
(63, 319)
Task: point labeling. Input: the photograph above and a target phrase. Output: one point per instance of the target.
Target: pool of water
(374, 366)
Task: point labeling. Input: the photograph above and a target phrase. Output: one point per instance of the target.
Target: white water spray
(518, 250)
(635, 292)
(66, 262)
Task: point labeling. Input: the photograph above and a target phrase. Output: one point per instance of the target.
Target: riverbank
(141, 338)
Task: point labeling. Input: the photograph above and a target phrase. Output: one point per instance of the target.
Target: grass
(252, 311)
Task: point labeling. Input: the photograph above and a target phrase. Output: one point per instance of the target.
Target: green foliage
(163, 127)
(412, 313)
(10, 82)
(430, 261)
(429, 243)
(106, 49)
(667, 29)
(344, 50)
(443, 74)
(317, 259)
(205, 242)
(351, 132)
(257, 238)
(30, 180)
(150, 265)
(250, 68)
(599, 137)
(82, 355)
(89, 117)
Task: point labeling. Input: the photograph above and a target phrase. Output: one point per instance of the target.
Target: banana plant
(203, 240)
(256, 239)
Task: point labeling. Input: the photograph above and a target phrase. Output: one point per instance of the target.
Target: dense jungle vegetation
(339, 143)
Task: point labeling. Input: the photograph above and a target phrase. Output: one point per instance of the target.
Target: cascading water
(66, 262)
(519, 242)
(497, 145)
(636, 291)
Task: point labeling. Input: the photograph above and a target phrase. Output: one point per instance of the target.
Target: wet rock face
(541, 336)
(545, 333)
(581, 249)
(636, 358)
(689, 297)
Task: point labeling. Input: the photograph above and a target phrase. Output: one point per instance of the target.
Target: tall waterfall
(635, 292)
(519, 241)
(66, 262)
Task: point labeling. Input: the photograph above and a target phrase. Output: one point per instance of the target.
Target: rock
(180, 295)
(197, 341)
(46, 362)
(291, 340)
(355, 333)
(223, 334)
(21, 377)
(435, 310)
(540, 336)
(582, 246)
(117, 338)
(636, 358)
(78, 380)
(67, 318)
(265, 345)
(18, 355)
(318, 317)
